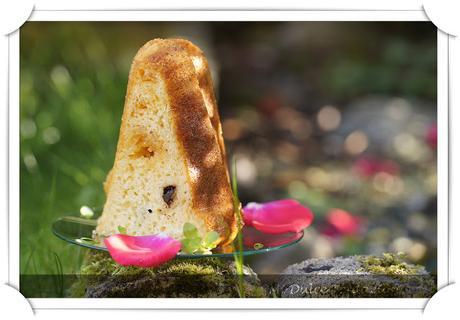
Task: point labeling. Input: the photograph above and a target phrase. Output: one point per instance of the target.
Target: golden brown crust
(206, 84)
(197, 128)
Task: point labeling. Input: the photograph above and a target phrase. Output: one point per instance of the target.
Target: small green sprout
(193, 243)
(210, 239)
(190, 231)
(121, 230)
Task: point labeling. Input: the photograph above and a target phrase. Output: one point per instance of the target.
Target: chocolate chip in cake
(168, 194)
(150, 210)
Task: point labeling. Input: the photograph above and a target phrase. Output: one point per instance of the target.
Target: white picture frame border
(230, 15)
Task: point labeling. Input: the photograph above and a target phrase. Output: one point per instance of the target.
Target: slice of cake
(170, 165)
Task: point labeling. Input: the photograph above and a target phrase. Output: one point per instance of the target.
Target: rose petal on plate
(252, 236)
(142, 251)
(279, 216)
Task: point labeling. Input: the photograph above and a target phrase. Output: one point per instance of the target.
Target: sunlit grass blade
(59, 276)
(238, 248)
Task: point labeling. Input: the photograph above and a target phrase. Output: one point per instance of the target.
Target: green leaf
(210, 239)
(190, 231)
(191, 245)
(121, 230)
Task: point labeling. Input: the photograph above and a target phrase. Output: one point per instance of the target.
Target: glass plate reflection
(76, 230)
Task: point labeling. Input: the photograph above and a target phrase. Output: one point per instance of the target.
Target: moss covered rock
(101, 277)
(356, 276)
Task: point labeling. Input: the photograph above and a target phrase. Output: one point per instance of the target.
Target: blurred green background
(339, 115)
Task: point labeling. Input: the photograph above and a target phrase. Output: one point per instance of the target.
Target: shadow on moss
(188, 278)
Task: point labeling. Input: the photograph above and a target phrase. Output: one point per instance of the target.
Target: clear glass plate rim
(92, 222)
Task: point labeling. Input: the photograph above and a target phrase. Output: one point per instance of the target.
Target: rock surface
(355, 276)
(101, 277)
(347, 277)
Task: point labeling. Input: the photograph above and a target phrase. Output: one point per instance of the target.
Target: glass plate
(75, 229)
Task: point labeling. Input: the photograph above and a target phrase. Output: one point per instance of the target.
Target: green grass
(71, 107)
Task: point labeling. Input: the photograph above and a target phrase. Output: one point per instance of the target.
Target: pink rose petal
(252, 236)
(142, 251)
(277, 216)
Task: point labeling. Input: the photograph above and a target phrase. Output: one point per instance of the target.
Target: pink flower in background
(369, 166)
(341, 223)
(277, 216)
(431, 136)
(142, 251)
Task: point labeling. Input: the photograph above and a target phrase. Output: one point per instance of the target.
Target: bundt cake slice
(170, 165)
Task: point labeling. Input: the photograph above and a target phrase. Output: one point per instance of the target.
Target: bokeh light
(356, 142)
(328, 118)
